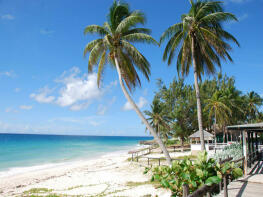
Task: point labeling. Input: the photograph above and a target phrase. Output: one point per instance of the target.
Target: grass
(77, 186)
(50, 195)
(136, 184)
(38, 190)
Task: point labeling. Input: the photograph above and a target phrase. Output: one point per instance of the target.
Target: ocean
(25, 152)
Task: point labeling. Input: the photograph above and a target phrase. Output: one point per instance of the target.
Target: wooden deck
(249, 186)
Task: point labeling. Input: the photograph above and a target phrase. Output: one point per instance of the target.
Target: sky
(44, 84)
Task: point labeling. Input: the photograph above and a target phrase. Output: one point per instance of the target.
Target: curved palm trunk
(128, 97)
(198, 100)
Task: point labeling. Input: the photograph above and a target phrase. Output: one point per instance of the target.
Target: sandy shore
(108, 175)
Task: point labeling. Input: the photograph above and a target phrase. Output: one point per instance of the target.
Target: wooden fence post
(185, 190)
(220, 184)
(225, 186)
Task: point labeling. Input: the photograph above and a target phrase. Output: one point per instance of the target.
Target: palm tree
(115, 47)
(218, 110)
(254, 101)
(158, 119)
(201, 42)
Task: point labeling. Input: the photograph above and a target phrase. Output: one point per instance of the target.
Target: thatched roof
(207, 135)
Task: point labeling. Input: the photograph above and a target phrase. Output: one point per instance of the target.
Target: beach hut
(196, 144)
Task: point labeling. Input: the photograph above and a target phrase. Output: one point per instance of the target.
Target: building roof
(249, 127)
(207, 135)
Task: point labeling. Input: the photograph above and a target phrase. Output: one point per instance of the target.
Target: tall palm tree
(115, 46)
(201, 42)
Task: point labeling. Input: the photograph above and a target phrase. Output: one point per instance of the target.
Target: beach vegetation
(233, 150)
(115, 46)
(37, 190)
(202, 171)
(199, 41)
(135, 184)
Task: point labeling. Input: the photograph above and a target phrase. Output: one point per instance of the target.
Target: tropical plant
(158, 119)
(254, 101)
(194, 173)
(218, 110)
(201, 41)
(178, 103)
(115, 47)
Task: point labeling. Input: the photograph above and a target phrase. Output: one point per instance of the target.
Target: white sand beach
(108, 175)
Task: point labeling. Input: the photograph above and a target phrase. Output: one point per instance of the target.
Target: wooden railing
(140, 152)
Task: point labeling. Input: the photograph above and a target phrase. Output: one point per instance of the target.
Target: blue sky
(44, 86)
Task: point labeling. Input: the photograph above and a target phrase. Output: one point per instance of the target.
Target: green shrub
(233, 150)
(195, 174)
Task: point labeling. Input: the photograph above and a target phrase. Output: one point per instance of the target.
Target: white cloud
(43, 95)
(25, 107)
(242, 17)
(77, 89)
(10, 110)
(239, 18)
(17, 90)
(74, 90)
(7, 73)
(8, 17)
(46, 32)
(90, 120)
(237, 1)
(80, 106)
(141, 103)
(103, 108)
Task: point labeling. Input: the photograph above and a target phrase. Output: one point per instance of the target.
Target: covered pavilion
(250, 142)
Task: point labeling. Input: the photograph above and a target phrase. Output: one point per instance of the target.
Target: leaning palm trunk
(128, 97)
(198, 100)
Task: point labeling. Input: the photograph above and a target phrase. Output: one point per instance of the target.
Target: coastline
(107, 174)
(14, 171)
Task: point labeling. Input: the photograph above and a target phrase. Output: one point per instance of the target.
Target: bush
(233, 150)
(195, 174)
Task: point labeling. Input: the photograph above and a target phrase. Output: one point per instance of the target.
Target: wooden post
(220, 184)
(148, 161)
(244, 151)
(159, 161)
(249, 149)
(185, 190)
(257, 146)
(253, 148)
(225, 186)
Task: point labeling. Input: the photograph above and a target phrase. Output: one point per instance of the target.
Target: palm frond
(218, 17)
(134, 19)
(171, 31)
(95, 29)
(140, 37)
(101, 67)
(90, 45)
(95, 55)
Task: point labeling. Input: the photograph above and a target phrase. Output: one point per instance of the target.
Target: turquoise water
(26, 150)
